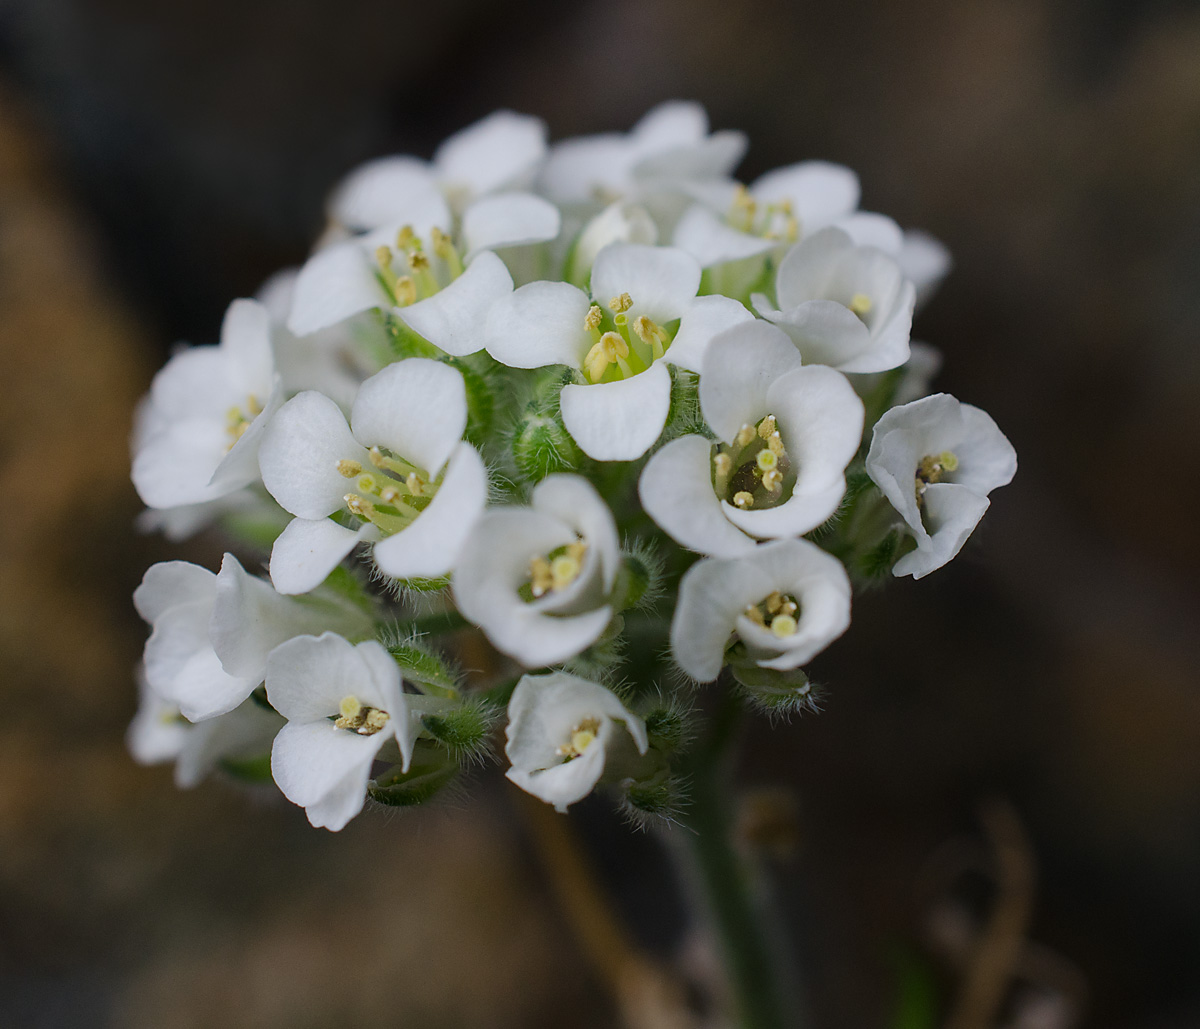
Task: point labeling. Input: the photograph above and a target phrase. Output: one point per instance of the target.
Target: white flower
(559, 730)
(159, 733)
(211, 633)
(784, 601)
(787, 434)
(620, 339)
(669, 147)
(414, 269)
(537, 579)
(786, 205)
(619, 222)
(936, 461)
(500, 152)
(334, 360)
(843, 305)
(198, 434)
(343, 703)
(402, 472)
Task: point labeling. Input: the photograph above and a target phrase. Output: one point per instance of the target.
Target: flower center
(621, 348)
(768, 221)
(391, 494)
(933, 468)
(776, 612)
(407, 271)
(358, 717)
(238, 419)
(752, 471)
(556, 571)
(582, 737)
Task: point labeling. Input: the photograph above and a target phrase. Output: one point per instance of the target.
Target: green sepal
(252, 770)
(407, 342)
(773, 691)
(421, 665)
(426, 776)
(542, 446)
(463, 730)
(659, 797)
(481, 402)
(425, 585)
(667, 729)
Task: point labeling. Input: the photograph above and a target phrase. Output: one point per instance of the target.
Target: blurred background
(158, 159)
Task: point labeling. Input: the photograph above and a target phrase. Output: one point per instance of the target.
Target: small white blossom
(498, 153)
(400, 468)
(843, 305)
(439, 289)
(560, 729)
(786, 601)
(621, 339)
(786, 435)
(198, 433)
(670, 147)
(343, 703)
(936, 460)
(537, 579)
(159, 733)
(211, 633)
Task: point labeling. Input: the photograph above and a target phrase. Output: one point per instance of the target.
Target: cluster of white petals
(595, 402)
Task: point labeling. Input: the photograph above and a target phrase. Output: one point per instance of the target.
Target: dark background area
(159, 159)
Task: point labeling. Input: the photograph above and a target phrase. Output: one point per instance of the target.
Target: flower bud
(542, 446)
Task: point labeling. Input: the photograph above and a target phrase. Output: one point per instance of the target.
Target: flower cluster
(637, 423)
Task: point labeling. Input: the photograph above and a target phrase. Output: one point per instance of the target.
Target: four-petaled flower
(400, 469)
(344, 704)
(936, 461)
(786, 434)
(560, 729)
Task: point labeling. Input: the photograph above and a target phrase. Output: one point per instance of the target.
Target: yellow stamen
(767, 427)
(754, 613)
(349, 469)
(744, 436)
(593, 318)
(722, 464)
(743, 500)
(620, 304)
(406, 239)
(774, 602)
(406, 291)
(416, 485)
(860, 304)
(582, 737)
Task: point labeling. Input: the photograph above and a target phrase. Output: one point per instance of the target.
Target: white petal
(175, 465)
(453, 318)
(156, 734)
(868, 229)
(239, 467)
(246, 339)
(925, 262)
(325, 769)
(307, 676)
(203, 689)
(575, 501)
(677, 492)
(539, 324)
(334, 284)
(705, 318)
(618, 421)
(669, 124)
(246, 731)
(429, 546)
(821, 420)
(170, 583)
(986, 459)
(198, 382)
(501, 150)
(416, 408)
(575, 168)
(388, 190)
(711, 240)
(299, 455)
(819, 192)
(660, 280)
(824, 331)
(565, 783)
(712, 594)
(889, 343)
(808, 268)
(951, 513)
(620, 222)
(537, 640)
(508, 220)
(739, 367)
(308, 550)
(711, 158)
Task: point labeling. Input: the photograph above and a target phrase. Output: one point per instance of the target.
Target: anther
(743, 500)
(383, 257)
(773, 603)
(415, 484)
(745, 435)
(376, 456)
(773, 480)
(406, 291)
(356, 505)
(406, 239)
(620, 304)
(722, 464)
(389, 495)
(860, 304)
(775, 445)
(754, 613)
(767, 427)
(593, 318)
(349, 469)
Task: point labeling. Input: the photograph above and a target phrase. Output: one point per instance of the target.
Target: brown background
(158, 159)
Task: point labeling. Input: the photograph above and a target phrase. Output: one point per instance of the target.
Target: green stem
(432, 625)
(750, 961)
